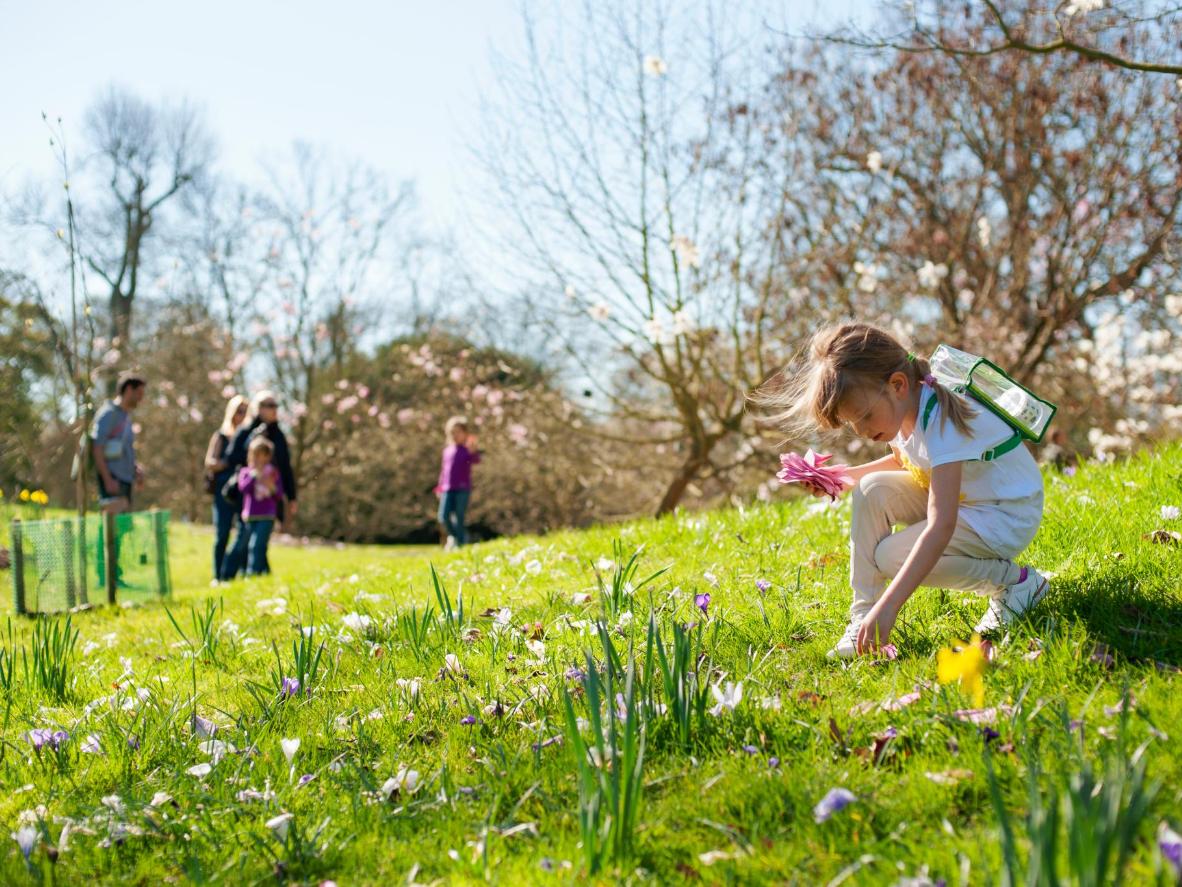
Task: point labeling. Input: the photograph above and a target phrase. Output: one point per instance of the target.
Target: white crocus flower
(279, 825)
(726, 697)
(290, 747)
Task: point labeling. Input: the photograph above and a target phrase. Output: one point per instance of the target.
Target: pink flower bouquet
(811, 470)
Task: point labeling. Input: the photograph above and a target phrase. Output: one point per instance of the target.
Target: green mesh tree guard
(62, 563)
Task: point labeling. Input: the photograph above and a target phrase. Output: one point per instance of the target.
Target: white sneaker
(1014, 600)
(451, 544)
(846, 647)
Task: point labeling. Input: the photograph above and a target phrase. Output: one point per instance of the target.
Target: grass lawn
(449, 746)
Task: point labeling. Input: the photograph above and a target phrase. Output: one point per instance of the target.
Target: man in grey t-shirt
(113, 445)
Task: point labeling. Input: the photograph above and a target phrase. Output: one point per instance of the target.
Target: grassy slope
(1113, 587)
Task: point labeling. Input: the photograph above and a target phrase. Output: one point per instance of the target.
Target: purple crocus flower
(574, 674)
(41, 737)
(702, 602)
(773, 762)
(835, 799)
(290, 687)
(133, 742)
(1170, 844)
(763, 585)
(989, 734)
(305, 779)
(468, 720)
(751, 749)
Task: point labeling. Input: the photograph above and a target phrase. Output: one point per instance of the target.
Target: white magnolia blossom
(984, 231)
(874, 161)
(867, 276)
(687, 251)
(931, 274)
(600, 311)
(1077, 6)
(654, 331)
(655, 66)
(683, 324)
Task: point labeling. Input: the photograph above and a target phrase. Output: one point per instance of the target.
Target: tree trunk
(684, 477)
(121, 321)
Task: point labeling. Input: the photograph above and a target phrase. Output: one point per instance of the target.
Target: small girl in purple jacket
(262, 491)
(455, 479)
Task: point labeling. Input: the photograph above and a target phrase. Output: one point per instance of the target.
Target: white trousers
(886, 498)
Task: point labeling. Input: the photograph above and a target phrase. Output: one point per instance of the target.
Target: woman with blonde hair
(217, 472)
(264, 422)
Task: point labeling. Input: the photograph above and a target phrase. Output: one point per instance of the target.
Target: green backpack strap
(1002, 448)
(989, 455)
(927, 412)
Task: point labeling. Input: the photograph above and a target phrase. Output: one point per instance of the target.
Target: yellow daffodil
(39, 497)
(24, 495)
(967, 665)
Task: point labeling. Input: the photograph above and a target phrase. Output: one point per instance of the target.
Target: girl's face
(879, 414)
(459, 434)
(259, 458)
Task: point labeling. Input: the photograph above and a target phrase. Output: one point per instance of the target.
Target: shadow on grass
(1136, 621)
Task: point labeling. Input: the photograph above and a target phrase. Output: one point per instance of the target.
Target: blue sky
(395, 83)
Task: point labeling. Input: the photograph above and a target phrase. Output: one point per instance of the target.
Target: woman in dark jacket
(217, 472)
(264, 421)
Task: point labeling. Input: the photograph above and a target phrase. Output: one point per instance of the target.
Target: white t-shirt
(1002, 499)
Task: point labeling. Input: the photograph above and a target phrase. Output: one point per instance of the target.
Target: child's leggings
(886, 498)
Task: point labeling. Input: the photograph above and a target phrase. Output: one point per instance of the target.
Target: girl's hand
(816, 492)
(876, 628)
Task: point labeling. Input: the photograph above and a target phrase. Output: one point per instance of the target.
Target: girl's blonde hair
(232, 408)
(453, 423)
(840, 359)
(261, 443)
